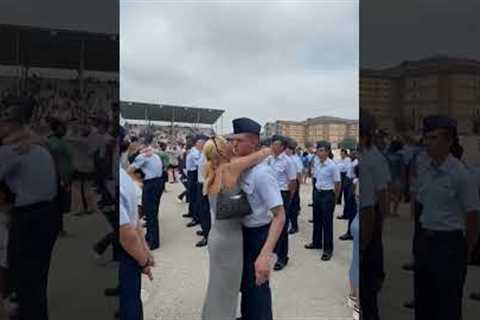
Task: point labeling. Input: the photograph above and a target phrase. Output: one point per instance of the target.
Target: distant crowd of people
(52, 165)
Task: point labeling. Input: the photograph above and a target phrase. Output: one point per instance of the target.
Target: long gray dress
(225, 249)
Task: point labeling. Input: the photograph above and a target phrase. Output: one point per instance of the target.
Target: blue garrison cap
(323, 144)
(246, 125)
(435, 122)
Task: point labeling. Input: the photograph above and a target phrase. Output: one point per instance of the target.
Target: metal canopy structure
(53, 48)
(169, 113)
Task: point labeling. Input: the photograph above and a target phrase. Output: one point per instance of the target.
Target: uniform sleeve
(468, 193)
(336, 173)
(124, 218)
(139, 161)
(9, 161)
(268, 189)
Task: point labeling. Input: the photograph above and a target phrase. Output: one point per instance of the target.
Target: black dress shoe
(111, 292)
(116, 315)
(346, 237)
(475, 296)
(186, 215)
(311, 246)
(200, 233)
(278, 266)
(326, 256)
(202, 243)
(408, 267)
(192, 223)
(292, 231)
(409, 304)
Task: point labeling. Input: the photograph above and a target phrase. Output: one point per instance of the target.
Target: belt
(32, 207)
(446, 235)
(324, 191)
(151, 180)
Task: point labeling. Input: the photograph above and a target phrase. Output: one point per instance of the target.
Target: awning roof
(62, 49)
(168, 113)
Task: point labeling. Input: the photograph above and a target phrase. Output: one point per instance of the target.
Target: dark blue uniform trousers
(33, 234)
(371, 279)
(344, 182)
(152, 192)
(440, 271)
(294, 208)
(281, 249)
(350, 205)
(130, 274)
(256, 300)
(323, 208)
(203, 207)
(192, 183)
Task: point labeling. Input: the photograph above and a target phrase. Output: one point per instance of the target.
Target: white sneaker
(356, 312)
(351, 301)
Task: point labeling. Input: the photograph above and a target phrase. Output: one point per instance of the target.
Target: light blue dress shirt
(128, 200)
(30, 176)
(326, 175)
(447, 193)
(344, 164)
(151, 166)
(298, 163)
(193, 159)
(284, 170)
(263, 194)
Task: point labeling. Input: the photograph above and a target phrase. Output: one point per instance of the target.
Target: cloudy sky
(394, 31)
(264, 60)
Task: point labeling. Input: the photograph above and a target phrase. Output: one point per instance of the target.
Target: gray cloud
(263, 60)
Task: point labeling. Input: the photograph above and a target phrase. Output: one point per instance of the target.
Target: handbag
(232, 203)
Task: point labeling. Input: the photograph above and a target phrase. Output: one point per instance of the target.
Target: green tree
(348, 143)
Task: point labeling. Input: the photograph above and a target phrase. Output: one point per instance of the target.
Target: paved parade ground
(307, 289)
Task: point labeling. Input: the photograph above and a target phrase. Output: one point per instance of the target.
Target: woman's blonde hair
(214, 151)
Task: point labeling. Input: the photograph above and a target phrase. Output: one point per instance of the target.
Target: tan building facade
(331, 129)
(400, 97)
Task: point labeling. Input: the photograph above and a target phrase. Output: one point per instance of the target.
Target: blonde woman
(225, 244)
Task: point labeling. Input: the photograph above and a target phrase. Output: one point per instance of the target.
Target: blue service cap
(435, 122)
(198, 137)
(246, 125)
(323, 144)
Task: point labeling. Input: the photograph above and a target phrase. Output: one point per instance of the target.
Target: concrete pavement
(307, 289)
